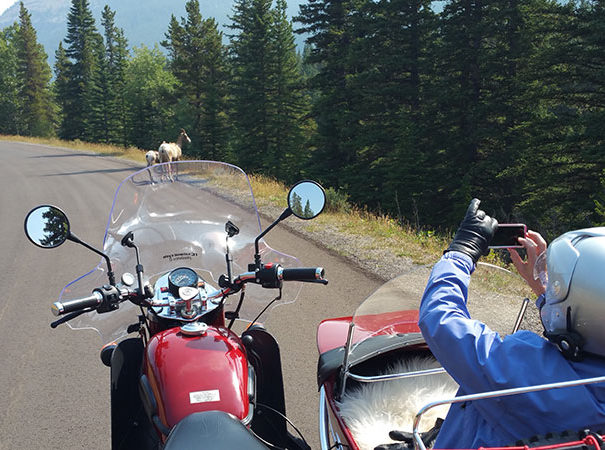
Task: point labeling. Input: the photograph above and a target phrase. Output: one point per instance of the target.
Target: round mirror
(47, 226)
(306, 199)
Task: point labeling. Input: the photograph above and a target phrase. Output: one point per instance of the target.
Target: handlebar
(92, 301)
(270, 276)
(105, 299)
(303, 274)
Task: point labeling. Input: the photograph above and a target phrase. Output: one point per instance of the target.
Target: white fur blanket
(377, 408)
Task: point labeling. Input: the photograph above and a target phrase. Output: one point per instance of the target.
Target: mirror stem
(72, 237)
(139, 269)
(287, 213)
(229, 260)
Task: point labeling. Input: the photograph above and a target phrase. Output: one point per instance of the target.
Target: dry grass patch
(131, 153)
(382, 231)
(269, 191)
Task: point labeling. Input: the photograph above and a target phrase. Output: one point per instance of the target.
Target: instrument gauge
(181, 277)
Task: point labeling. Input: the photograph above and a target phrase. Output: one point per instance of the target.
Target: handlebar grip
(59, 308)
(303, 274)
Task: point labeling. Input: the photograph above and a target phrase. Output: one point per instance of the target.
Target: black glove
(404, 436)
(407, 438)
(475, 232)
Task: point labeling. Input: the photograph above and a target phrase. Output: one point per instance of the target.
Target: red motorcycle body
(190, 374)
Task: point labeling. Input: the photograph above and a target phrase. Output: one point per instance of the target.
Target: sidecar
(376, 373)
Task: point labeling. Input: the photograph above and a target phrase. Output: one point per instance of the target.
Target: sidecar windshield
(393, 308)
(178, 214)
(390, 310)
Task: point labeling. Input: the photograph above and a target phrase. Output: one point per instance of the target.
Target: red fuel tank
(197, 373)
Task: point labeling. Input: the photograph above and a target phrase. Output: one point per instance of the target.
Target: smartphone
(506, 235)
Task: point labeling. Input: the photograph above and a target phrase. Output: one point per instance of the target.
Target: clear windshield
(178, 218)
(393, 308)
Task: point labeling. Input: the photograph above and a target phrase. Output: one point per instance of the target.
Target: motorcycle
(376, 374)
(182, 375)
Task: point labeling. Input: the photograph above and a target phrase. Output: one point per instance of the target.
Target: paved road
(54, 391)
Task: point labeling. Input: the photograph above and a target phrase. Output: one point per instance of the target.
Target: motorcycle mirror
(307, 199)
(128, 240)
(47, 226)
(231, 229)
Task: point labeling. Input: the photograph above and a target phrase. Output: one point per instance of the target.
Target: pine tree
(250, 58)
(82, 49)
(474, 102)
(9, 83)
(269, 104)
(97, 96)
(113, 79)
(328, 22)
(198, 60)
(288, 126)
(391, 41)
(214, 125)
(456, 104)
(36, 108)
(562, 171)
(62, 86)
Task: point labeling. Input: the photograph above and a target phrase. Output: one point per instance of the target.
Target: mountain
(143, 21)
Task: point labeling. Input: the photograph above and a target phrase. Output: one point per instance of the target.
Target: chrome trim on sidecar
(419, 445)
(345, 364)
(394, 376)
(325, 427)
(324, 438)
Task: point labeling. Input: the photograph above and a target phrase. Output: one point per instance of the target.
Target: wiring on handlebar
(267, 443)
(339, 445)
(143, 329)
(266, 307)
(262, 405)
(238, 307)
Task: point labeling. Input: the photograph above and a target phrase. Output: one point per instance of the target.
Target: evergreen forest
(399, 106)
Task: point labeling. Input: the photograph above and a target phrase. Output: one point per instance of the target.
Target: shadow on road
(84, 172)
(63, 155)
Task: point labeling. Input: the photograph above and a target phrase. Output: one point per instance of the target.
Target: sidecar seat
(211, 430)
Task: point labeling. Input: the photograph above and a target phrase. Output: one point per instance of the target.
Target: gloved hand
(404, 436)
(475, 232)
(407, 438)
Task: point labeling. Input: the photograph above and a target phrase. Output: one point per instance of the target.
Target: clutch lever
(69, 316)
(324, 281)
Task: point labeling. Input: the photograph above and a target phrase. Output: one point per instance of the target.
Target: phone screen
(506, 235)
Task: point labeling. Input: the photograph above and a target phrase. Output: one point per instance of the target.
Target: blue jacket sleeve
(461, 344)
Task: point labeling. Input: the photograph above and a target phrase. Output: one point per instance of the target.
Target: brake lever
(324, 282)
(68, 317)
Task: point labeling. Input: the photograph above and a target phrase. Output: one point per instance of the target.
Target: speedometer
(181, 277)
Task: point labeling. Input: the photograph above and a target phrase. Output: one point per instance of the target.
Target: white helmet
(574, 303)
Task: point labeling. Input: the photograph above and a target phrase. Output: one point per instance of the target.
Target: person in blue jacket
(571, 298)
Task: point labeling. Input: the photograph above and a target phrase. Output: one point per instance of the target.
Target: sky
(5, 4)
